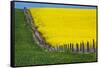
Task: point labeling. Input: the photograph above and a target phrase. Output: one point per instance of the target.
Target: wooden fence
(77, 48)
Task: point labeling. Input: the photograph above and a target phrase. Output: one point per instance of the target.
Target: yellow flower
(65, 25)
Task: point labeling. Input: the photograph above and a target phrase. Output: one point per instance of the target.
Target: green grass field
(27, 52)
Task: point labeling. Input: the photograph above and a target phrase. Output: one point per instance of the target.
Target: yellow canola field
(65, 25)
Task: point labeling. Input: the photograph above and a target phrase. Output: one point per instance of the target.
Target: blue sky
(21, 5)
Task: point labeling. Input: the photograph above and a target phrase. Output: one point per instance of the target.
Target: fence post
(52, 48)
(72, 47)
(94, 46)
(77, 47)
(63, 49)
(88, 49)
(55, 48)
(60, 47)
(82, 46)
(67, 46)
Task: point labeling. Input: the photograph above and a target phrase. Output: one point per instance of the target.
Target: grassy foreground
(27, 52)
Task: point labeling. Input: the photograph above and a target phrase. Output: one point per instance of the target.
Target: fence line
(36, 34)
(77, 48)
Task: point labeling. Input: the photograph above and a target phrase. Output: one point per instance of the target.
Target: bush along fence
(40, 40)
